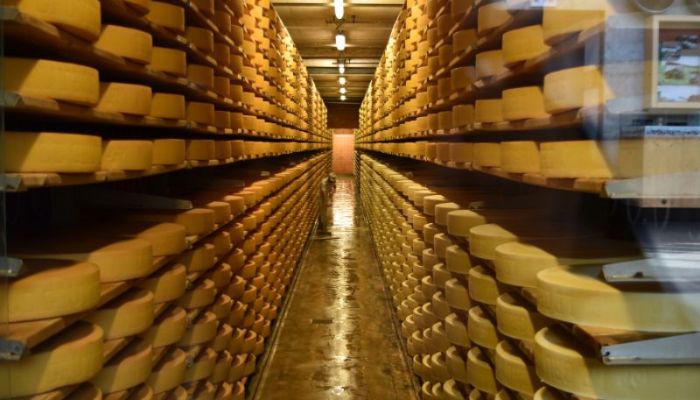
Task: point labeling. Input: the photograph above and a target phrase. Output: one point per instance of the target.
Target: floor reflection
(337, 340)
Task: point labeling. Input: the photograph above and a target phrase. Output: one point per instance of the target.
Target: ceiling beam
(334, 71)
(317, 3)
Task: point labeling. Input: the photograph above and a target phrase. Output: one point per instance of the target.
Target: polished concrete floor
(337, 339)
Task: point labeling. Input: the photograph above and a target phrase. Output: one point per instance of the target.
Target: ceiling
(367, 26)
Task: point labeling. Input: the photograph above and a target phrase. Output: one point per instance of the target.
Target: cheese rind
(51, 152)
(513, 371)
(71, 357)
(480, 372)
(517, 320)
(171, 61)
(523, 103)
(488, 111)
(127, 155)
(168, 106)
(572, 16)
(167, 329)
(128, 315)
(124, 98)
(169, 151)
(563, 363)
(523, 44)
(575, 88)
(132, 44)
(489, 63)
(520, 157)
(167, 15)
(129, 368)
(491, 16)
(61, 288)
(167, 286)
(169, 373)
(81, 17)
(574, 159)
(487, 154)
(55, 80)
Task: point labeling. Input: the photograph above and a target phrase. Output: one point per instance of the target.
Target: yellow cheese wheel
(201, 75)
(53, 80)
(523, 103)
(221, 276)
(118, 261)
(456, 364)
(129, 368)
(456, 330)
(167, 329)
(51, 152)
(169, 151)
(71, 357)
(202, 150)
(487, 154)
(166, 15)
(203, 330)
(488, 111)
(201, 113)
(574, 159)
(168, 106)
(221, 371)
(60, 287)
(492, 16)
(199, 296)
(127, 155)
(514, 371)
(124, 98)
(463, 40)
(561, 290)
(222, 119)
(575, 88)
(169, 372)
(81, 17)
(223, 338)
(202, 367)
(480, 373)
(85, 391)
(222, 150)
(167, 286)
(197, 221)
(519, 263)
(222, 86)
(521, 157)
(563, 363)
(457, 295)
(523, 44)
(201, 38)
(170, 61)
(132, 44)
(462, 78)
(546, 393)
(457, 260)
(572, 16)
(482, 330)
(127, 315)
(516, 319)
(462, 115)
(489, 64)
(483, 286)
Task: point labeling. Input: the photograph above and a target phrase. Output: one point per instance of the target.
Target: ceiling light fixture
(342, 80)
(340, 41)
(339, 9)
(341, 66)
(343, 90)
(343, 97)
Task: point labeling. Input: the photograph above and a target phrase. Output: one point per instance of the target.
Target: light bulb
(341, 68)
(342, 81)
(339, 9)
(340, 42)
(343, 97)
(343, 90)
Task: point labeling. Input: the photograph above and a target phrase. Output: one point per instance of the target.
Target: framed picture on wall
(674, 67)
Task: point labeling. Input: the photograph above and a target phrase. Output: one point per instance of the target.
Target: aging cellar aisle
(337, 340)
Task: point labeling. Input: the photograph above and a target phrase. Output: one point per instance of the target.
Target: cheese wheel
(462, 78)
(81, 17)
(563, 363)
(169, 372)
(523, 44)
(221, 276)
(167, 329)
(85, 391)
(487, 154)
(456, 365)
(462, 116)
(546, 393)
(170, 61)
(482, 330)
(575, 88)
(46, 79)
(51, 152)
(203, 330)
(560, 291)
(519, 263)
(514, 371)
(520, 157)
(127, 315)
(492, 16)
(523, 103)
(129, 368)
(457, 260)
(127, 155)
(222, 149)
(223, 338)
(124, 98)
(167, 286)
(463, 40)
(169, 151)
(202, 367)
(201, 150)
(574, 159)
(483, 286)
(199, 296)
(61, 287)
(222, 86)
(516, 319)
(480, 372)
(221, 369)
(222, 120)
(118, 261)
(132, 44)
(71, 357)
(488, 111)
(201, 113)
(457, 295)
(456, 331)
(201, 38)
(166, 15)
(197, 221)
(488, 64)
(572, 16)
(168, 106)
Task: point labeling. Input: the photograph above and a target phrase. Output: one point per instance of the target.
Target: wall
(343, 151)
(343, 115)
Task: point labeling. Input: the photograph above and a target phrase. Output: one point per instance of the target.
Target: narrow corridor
(337, 339)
